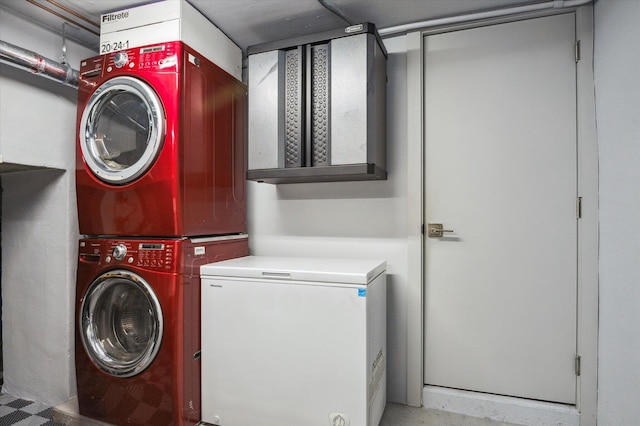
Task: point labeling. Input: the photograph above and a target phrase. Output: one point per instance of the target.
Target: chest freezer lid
(348, 271)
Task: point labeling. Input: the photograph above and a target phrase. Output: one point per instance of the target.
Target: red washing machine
(138, 327)
(160, 145)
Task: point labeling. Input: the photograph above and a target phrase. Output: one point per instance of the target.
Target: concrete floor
(403, 415)
(394, 415)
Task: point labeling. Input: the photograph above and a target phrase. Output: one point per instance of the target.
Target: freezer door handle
(277, 275)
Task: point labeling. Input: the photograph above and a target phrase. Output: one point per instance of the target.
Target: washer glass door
(121, 323)
(122, 130)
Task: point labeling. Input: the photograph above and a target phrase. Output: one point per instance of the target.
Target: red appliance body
(138, 327)
(160, 147)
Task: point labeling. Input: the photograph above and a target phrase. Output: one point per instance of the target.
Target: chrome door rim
(87, 131)
(92, 339)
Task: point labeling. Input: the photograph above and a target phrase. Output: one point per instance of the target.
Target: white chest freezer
(293, 342)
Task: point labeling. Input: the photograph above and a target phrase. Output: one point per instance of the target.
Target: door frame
(587, 303)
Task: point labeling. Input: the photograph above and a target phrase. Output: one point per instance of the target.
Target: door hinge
(422, 229)
(579, 207)
(577, 50)
(577, 364)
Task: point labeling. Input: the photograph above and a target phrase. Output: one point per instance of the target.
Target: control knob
(120, 59)
(119, 251)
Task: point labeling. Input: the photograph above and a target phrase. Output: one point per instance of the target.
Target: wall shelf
(342, 173)
(7, 167)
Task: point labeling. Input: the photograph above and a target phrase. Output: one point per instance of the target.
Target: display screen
(150, 246)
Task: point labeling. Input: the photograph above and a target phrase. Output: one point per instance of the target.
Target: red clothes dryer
(160, 145)
(138, 327)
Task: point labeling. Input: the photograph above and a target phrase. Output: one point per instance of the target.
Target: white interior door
(501, 172)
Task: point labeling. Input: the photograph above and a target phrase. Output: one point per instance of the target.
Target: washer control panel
(155, 255)
(147, 254)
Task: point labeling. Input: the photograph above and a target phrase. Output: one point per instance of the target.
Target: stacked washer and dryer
(160, 180)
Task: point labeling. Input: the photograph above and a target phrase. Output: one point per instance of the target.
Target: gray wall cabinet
(317, 108)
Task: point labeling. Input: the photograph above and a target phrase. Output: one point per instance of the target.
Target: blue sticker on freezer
(362, 292)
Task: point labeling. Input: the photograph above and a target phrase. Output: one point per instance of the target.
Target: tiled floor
(20, 412)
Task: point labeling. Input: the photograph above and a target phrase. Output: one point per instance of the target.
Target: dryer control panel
(157, 57)
(149, 58)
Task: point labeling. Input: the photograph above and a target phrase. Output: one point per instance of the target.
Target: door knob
(434, 230)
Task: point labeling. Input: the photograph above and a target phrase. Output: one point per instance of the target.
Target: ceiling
(250, 22)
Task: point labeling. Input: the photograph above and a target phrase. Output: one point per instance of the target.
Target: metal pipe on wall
(37, 64)
(553, 4)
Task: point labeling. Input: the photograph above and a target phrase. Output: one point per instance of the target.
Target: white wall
(350, 219)
(617, 82)
(39, 221)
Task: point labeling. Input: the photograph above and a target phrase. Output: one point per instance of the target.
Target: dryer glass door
(121, 323)
(122, 130)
